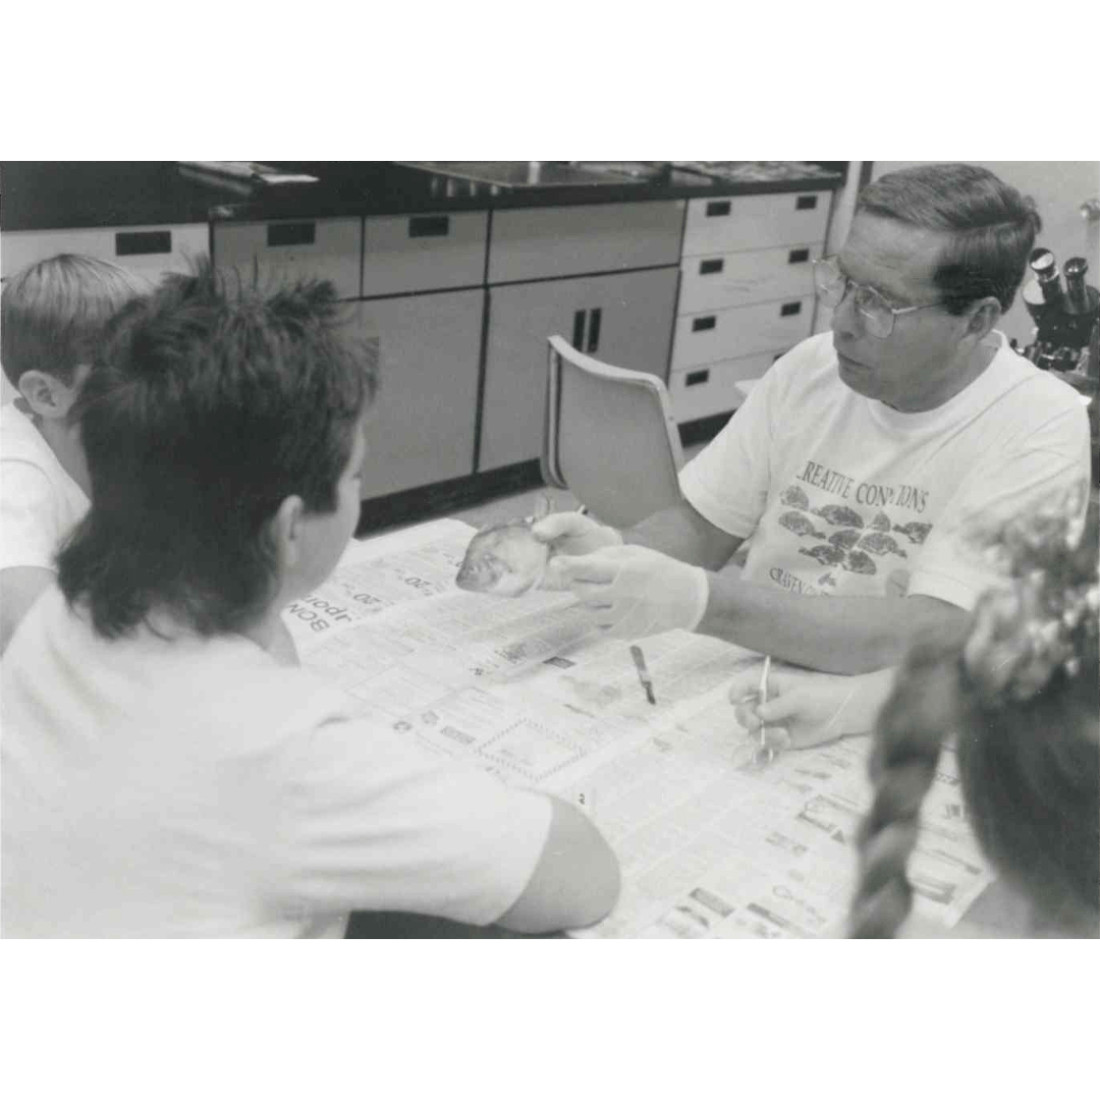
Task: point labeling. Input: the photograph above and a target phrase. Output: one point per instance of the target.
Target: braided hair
(1019, 683)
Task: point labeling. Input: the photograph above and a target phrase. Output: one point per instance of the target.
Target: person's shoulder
(20, 441)
(1031, 390)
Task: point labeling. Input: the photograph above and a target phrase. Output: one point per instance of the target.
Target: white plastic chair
(610, 437)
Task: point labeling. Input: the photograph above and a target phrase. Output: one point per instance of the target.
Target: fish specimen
(505, 559)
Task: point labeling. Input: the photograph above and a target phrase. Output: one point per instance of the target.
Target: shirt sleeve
(1053, 461)
(28, 517)
(727, 481)
(380, 823)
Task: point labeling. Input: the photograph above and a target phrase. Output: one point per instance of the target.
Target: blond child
(51, 315)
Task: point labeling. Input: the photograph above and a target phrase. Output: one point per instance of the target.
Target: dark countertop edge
(304, 207)
(188, 202)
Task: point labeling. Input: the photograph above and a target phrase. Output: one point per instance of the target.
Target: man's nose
(845, 320)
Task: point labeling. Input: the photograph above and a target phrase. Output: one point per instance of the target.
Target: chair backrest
(610, 437)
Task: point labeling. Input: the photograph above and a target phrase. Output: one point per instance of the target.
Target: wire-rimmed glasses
(832, 285)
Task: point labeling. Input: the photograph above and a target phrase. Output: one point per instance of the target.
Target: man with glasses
(858, 459)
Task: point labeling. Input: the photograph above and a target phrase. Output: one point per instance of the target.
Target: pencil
(763, 699)
(643, 673)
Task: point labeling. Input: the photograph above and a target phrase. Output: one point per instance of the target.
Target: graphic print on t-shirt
(859, 536)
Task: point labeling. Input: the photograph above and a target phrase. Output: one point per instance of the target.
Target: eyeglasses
(832, 285)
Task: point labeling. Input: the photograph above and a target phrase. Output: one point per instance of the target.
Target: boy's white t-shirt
(40, 503)
(843, 495)
(195, 787)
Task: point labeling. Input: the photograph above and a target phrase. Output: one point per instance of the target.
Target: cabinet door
(421, 427)
(636, 311)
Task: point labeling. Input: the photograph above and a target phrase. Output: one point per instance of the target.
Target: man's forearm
(846, 634)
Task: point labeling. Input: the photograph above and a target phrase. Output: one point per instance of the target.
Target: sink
(523, 173)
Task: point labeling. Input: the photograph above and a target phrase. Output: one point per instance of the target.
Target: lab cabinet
(624, 319)
(746, 293)
(432, 251)
(324, 248)
(420, 429)
(149, 250)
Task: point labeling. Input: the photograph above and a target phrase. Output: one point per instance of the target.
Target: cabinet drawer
(754, 221)
(420, 429)
(149, 249)
(742, 278)
(711, 388)
(423, 252)
(734, 333)
(327, 248)
(577, 240)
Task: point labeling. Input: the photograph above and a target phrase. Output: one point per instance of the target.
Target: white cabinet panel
(411, 252)
(734, 333)
(150, 250)
(630, 330)
(325, 248)
(741, 278)
(421, 427)
(547, 242)
(754, 221)
(711, 388)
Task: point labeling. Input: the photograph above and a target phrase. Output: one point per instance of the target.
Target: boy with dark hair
(52, 314)
(162, 774)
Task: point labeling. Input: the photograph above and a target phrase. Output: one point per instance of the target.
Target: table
(711, 844)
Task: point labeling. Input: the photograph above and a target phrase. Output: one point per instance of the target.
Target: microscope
(1066, 318)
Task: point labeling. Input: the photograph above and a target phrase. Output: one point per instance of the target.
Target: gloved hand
(632, 592)
(574, 533)
(807, 708)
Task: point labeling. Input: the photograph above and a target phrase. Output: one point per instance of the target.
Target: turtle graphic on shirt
(881, 522)
(859, 562)
(839, 515)
(794, 497)
(880, 544)
(799, 524)
(845, 538)
(914, 531)
(827, 555)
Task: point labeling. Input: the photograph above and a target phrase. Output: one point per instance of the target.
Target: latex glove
(574, 533)
(807, 708)
(632, 591)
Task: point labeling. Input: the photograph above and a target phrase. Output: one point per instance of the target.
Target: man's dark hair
(992, 226)
(209, 404)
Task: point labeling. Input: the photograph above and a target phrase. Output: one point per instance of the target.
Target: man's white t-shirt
(40, 503)
(843, 495)
(194, 787)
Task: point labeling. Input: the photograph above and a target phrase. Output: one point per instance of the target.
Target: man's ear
(286, 532)
(47, 395)
(981, 317)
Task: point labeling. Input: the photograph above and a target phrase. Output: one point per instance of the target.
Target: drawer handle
(594, 330)
(578, 329)
(291, 233)
(696, 378)
(701, 324)
(790, 309)
(148, 242)
(711, 267)
(806, 202)
(717, 209)
(798, 255)
(434, 225)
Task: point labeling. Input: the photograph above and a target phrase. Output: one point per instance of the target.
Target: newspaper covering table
(711, 844)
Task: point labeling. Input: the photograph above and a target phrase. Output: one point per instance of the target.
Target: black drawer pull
(433, 225)
(701, 324)
(711, 267)
(717, 209)
(798, 255)
(696, 378)
(594, 330)
(148, 242)
(578, 329)
(790, 309)
(806, 202)
(290, 233)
